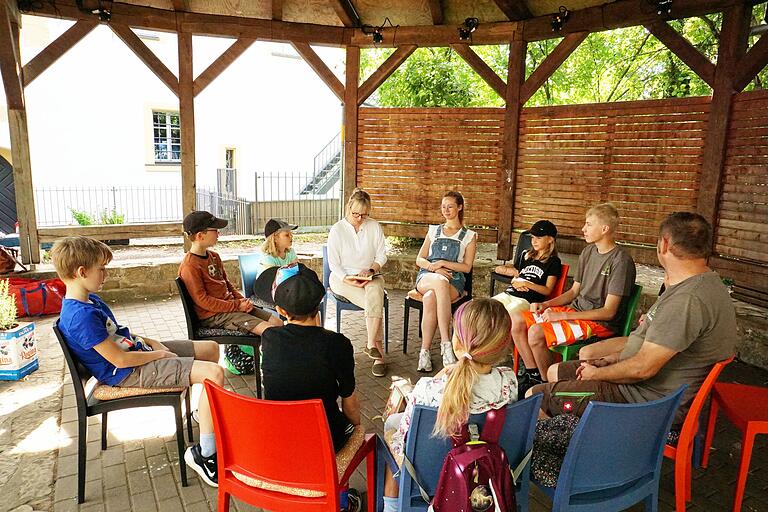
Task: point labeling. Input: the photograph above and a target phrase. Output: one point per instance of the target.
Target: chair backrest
(691, 423)
(560, 285)
(250, 268)
(427, 452)
(326, 268)
(523, 244)
(189, 308)
(77, 371)
(468, 281)
(629, 318)
(599, 456)
(285, 443)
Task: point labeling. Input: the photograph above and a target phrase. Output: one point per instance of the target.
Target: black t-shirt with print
(303, 362)
(537, 272)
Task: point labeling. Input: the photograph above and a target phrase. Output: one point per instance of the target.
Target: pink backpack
(476, 476)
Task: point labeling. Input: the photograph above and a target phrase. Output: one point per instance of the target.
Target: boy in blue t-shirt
(117, 357)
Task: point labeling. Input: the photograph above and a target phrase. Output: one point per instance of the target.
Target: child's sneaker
(354, 501)
(425, 362)
(446, 349)
(203, 466)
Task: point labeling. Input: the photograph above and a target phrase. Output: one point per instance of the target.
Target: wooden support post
(436, 11)
(10, 67)
(349, 181)
(733, 43)
(515, 78)
(481, 68)
(187, 121)
(684, 50)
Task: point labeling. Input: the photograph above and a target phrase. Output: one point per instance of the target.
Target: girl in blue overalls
(447, 254)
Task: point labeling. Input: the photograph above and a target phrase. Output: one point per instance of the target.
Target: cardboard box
(18, 351)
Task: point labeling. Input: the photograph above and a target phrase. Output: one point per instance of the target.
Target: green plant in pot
(18, 348)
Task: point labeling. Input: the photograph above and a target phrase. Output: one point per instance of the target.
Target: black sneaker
(203, 466)
(354, 501)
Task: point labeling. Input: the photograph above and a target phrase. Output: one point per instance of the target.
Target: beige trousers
(370, 297)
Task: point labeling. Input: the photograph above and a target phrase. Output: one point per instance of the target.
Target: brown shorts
(164, 373)
(236, 320)
(569, 395)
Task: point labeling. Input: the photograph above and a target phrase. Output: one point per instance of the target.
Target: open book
(363, 278)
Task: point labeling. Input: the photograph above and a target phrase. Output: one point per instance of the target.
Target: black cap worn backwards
(295, 288)
(198, 221)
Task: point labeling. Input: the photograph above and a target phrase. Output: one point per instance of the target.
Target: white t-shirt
(432, 233)
(350, 252)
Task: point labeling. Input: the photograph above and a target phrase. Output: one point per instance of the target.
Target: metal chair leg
(180, 443)
(104, 431)
(406, 314)
(188, 407)
(386, 324)
(82, 452)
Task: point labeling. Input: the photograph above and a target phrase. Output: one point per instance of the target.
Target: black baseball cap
(295, 288)
(274, 225)
(543, 228)
(198, 221)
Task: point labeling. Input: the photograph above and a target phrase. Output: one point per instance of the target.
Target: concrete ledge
(135, 281)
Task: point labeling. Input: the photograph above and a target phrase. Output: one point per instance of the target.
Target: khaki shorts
(237, 320)
(164, 373)
(569, 395)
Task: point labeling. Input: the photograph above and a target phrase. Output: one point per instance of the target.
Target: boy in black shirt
(300, 360)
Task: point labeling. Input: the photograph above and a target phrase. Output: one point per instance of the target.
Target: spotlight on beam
(466, 28)
(559, 19)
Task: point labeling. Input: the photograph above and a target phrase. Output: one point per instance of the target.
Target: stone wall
(133, 281)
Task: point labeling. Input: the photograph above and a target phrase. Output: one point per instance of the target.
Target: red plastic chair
(747, 408)
(683, 452)
(280, 444)
(556, 292)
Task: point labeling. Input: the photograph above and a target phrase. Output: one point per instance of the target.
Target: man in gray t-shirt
(691, 327)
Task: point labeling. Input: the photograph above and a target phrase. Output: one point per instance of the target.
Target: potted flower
(18, 351)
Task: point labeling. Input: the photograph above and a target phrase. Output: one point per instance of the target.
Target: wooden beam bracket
(481, 68)
(146, 55)
(684, 50)
(752, 63)
(550, 64)
(319, 67)
(218, 66)
(388, 67)
(56, 49)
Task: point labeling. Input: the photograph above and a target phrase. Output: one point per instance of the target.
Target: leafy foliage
(83, 218)
(7, 306)
(112, 217)
(617, 65)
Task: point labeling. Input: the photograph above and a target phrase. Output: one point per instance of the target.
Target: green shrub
(7, 306)
(83, 218)
(112, 217)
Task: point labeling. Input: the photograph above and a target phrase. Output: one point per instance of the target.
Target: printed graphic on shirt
(126, 343)
(606, 270)
(213, 271)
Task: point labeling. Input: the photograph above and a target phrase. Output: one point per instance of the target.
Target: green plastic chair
(569, 352)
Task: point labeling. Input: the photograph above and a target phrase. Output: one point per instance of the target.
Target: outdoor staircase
(327, 169)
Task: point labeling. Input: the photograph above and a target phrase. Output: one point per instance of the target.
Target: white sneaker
(425, 362)
(446, 349)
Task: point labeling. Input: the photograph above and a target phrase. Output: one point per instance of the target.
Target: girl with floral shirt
(472, 385)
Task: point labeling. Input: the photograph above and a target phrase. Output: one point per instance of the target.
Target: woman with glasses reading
(356, 253)
(448, 252)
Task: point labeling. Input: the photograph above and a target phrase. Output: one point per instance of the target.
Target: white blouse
(350, 252)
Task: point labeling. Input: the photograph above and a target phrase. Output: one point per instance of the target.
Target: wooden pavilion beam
(319, 67)
(277, 10)
(349, 135)
(346, 12)
(684, 50)
(733, 44)
(510, 146)
(186, 93)
(146, 55)
(752, 63)
(550, 64)
(10, 68)
(56, 49)
(436, 11)
(218, 66)
(619, 14)
(379, 76)
(514, 9)
(481, 68)
(181, 5)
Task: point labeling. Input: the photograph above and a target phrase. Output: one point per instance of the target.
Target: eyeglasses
(359, 215)
(210, 229)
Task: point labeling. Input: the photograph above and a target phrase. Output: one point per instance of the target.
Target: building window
(167, 136)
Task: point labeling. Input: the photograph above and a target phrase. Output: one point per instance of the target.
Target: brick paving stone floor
(139, 470)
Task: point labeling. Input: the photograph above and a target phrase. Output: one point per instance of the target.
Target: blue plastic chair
(250, 268)
(427, 452)
(614, 458)
(342, 303)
